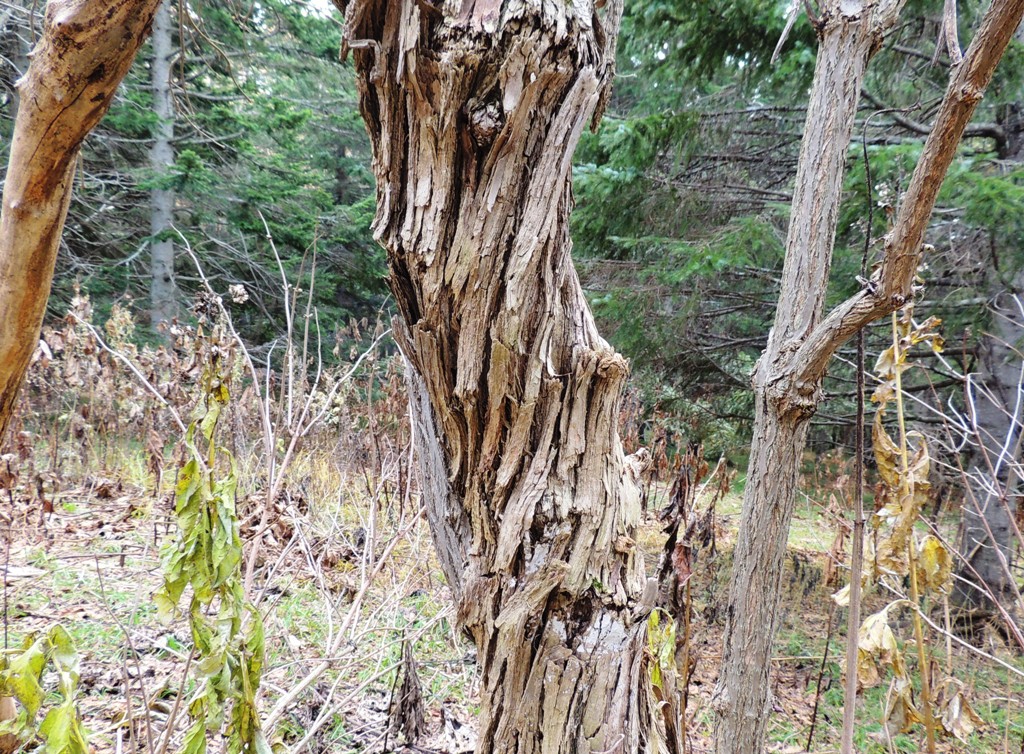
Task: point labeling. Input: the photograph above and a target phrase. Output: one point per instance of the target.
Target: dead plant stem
(135, 657)
(907, 495)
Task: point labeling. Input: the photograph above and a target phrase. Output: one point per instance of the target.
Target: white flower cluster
(238, 293)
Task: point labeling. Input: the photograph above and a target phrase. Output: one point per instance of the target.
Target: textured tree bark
(785, 404)
(787, 380)
(990, 507)
(86, 49)
(474, 110)
(985, 577)
(163, 293)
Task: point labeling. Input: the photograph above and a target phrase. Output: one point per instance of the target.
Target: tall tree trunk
(86, 49)
(989, 532)
(785, 404)
(787, 380)
(474, 110)
(163, 293)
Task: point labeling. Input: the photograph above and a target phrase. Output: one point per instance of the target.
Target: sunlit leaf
(661, 644)
(195, 739)
(62, 649)
(22, 678)
(62, 731)
(927, 332)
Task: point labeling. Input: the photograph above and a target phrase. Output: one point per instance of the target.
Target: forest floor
(351, 577)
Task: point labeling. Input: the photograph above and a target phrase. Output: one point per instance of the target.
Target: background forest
(219, 235)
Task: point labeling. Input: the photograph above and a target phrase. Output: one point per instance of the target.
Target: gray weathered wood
(787, 380)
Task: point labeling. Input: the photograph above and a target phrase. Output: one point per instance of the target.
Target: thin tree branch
(892, 286)
(977, 131)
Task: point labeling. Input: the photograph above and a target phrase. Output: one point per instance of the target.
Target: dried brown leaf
(900, 712)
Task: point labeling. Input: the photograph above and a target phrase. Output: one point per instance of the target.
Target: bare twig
(135, 657)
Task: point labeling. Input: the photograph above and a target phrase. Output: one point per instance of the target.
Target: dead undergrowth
(343, 569)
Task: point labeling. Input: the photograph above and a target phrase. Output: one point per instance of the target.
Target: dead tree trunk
(163, 293)
(984, 584)
(787, 380)
(86, 49)
(474, 110)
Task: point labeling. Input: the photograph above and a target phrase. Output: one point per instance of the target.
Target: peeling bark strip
(474, 110)
(86, 49)
(787, 380)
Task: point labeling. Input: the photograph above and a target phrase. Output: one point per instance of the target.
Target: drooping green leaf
(23, 674)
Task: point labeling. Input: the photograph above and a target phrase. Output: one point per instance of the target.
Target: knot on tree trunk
(791, 396)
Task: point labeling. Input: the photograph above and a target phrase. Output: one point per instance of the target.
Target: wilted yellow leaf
(934, 565)
(920, 463)
(885, 365)
(874, 632)
(891, 561)
(927, 332)
(877, 639)
(842, 597)
(887, 454)
(867, 671)
(884, 392)
(905, 499)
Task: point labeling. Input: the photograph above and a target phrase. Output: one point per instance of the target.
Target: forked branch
(891, 288)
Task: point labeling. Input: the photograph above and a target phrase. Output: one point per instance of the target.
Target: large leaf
(878, 641)
(63, 732)
(195, 739)
(62, 650)
(958, 718)
(905, 499)
(887, 453)
(934, 566)
(900, 711)
(23, 675)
